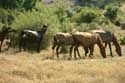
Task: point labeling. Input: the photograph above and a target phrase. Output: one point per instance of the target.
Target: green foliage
(98, 3)
(35, 19)
(17, 4)
(111, 12)
(87, 15)
(114, 14)
(31, 20)
(122, 40)
(7, 16)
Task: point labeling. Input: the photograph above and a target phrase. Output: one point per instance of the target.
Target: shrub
(18, 4)
(111, 12)
(7, 16)
(122, 40)
(87, 15)
(35, 19)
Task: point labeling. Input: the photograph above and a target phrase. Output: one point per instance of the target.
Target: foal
(28, 36)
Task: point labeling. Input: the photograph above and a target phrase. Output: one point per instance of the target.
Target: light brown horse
(87, 41)
(109, 37)
(63, 39)
(3, 34)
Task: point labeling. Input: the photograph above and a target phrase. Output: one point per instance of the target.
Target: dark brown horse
(87, 41)
(28, 36)
(109, 37)
(3, 34)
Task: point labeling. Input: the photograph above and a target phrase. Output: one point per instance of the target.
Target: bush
(111, 12)
(7, 16)
(87, 15)
(122, 40)
(18, 4)
(35, 19)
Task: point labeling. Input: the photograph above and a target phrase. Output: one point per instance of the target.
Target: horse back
(64, 38)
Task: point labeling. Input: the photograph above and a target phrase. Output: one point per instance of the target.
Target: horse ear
(45, 25)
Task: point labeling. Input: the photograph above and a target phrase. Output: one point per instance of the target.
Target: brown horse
(28, 36)
(87, 41)
(62, 39)
(11, 38)
(3, 34)
(109, 37)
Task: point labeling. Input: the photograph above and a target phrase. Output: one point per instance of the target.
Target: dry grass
(26, 67)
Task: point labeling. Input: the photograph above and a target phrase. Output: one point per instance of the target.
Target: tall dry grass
(26, 67)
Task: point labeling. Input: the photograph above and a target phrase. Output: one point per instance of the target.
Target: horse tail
(54, 42)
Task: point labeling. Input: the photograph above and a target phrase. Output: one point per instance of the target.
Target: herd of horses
(87, 40)
(25, 36)
(73, 39)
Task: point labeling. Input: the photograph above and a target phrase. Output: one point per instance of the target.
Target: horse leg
(24, 45)
(53, 47)
(106, 45)
(91, 50)
(1, 45)
(9, 45)
(57, 51)
(39, 46)
(86, 51)
(20, 44)
(78, 52)
(110, 48)
(71, 48)
(76, 49)
(75, 53)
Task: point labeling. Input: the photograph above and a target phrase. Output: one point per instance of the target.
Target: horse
(62, 39)
(109, 37)
(3, 34)
(11, 37)
(28, 36)
(87, 41)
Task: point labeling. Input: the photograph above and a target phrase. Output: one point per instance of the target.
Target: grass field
(31, 67)
(27, 67)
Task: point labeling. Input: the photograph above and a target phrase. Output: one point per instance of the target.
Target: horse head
(101, 46)
(5, 29)
(118, 50)
(117, 45)
(44, 28)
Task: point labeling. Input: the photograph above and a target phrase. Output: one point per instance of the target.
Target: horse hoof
(69, 58)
